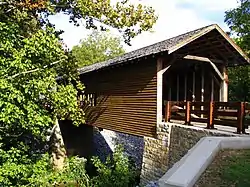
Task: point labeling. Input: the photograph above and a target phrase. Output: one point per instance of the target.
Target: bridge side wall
(125, 98)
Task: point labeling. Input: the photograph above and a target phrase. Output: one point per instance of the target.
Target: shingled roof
(168, 45)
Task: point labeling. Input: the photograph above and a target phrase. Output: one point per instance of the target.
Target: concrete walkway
(187, 171)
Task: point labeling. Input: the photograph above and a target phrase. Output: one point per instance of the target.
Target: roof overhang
(214, 43)
(210, 42)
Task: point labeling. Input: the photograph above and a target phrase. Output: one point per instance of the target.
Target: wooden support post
(210, 123)
(168, 111)
(240, 119)
(225, 85)
(202, 90)
(212, 88)
(177, 88)
(193, 95)
(221, 93)
(160, 71)
(188, 113)
(169, 93)
(185, 89)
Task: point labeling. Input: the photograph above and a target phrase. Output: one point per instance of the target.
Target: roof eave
(233, 44)
(207, 30)
(189, 40)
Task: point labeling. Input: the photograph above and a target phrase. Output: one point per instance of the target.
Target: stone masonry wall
(155, 156)
(183, 138)
(106, 140)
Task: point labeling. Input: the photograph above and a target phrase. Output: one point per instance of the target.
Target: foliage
(97, 47)
(238, 20)
(115, 172)
(41, 173)
(128, 18)
(30, 63)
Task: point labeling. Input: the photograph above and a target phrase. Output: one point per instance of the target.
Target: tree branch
(33, 70)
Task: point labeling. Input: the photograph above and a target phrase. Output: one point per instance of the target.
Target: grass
(231, 168)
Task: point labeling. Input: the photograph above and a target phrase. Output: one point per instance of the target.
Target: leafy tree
(97, 47)
(32, 99)
(238, 20)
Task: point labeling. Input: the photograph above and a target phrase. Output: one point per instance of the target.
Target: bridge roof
(210, 41)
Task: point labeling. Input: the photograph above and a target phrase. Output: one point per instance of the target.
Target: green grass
(230, 168)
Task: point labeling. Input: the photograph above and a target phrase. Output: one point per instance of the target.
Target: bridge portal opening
(192, 80)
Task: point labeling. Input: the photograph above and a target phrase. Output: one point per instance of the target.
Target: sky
(175, 17)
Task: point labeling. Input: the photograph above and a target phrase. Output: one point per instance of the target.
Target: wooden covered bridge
(183, 78)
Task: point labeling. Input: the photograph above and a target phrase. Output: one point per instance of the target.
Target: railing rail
(220, 113)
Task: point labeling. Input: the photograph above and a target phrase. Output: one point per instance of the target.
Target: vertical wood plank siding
(125, 98)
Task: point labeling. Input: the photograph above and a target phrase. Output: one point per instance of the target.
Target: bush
(115, 172)
(42, 174)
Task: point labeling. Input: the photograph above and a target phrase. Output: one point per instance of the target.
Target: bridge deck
(218, 128)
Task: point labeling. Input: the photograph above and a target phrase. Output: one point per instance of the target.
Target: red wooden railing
(219, 113)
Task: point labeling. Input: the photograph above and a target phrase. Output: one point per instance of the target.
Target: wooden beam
(188, 113)
(177, 88)
(160, 72)
(169, 93)
(216, 80)
(159, 89)
(165, 69)
(168, 111)
(204, 59)
(240, 118)
(193, 94)
(185, 88)
(225, 85)
(210, 123)
(221, 93)
(233, 44)
(212, 88)
(202, 89)
(208, 45)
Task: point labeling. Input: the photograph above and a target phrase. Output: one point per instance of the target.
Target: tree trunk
(58, 148)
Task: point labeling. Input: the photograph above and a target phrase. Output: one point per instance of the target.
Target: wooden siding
(125, 98)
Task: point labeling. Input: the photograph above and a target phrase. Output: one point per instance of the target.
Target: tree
(238, 20)
(97, 47)
(32, 98)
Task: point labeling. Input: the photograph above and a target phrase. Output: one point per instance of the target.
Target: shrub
(115, 172)
(42, 174)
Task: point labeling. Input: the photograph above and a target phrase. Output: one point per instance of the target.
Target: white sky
(175, 17)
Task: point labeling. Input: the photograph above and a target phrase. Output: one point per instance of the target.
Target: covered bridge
(129, 93)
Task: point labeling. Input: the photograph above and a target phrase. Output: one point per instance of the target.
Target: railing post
(244, 115)
(210, 123)
(188, 113)
(240, 119)
(168, 111)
